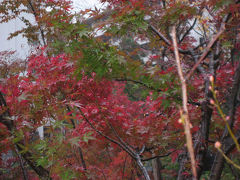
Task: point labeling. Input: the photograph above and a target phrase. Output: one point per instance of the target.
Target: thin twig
(158, 156)
(166, 40)
(25, 177)
(185, 115)
(208, 48)
(188, 31)
(160, 35)
(132, 154)
(124, 165)
(40, 26)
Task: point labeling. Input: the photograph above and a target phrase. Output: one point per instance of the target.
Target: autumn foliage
(112, 109)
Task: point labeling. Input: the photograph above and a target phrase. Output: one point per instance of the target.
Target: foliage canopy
(116, 106)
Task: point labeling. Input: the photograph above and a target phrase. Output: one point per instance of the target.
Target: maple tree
(111, 112)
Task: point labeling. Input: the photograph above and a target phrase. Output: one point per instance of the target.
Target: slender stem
(208, 48)
(184, 115)
(158, 156)
(124, 165)
(161, 36)
(132, 154)
(216, 103)
(25, 177)
(188, 31)
(40, 26)
(228, 159)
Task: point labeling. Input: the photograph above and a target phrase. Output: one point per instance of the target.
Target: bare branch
(184, 115)
(208, 48)
(121, 144)
(132, 154)
(158, 156)
(166, 40)
(188, 31)
(25, 177)
(40, 27)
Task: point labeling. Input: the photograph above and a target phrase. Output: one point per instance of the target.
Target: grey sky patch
(19, 43)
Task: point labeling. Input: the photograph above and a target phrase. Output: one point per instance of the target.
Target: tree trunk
(156, 164)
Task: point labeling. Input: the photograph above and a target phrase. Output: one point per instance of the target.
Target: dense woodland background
(143, 89)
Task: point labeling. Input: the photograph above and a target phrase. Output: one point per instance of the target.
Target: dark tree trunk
(156, 164)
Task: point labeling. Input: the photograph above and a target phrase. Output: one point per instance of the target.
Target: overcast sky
(19, 43)
(86, 4)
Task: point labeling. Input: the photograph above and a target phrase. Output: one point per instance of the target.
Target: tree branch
(188, 31)
(208, 48)
(166, 40)
(132, 154)
(25, 177)
(4, 118)
(160, 35)
(184, 115)
(158, 156)
(40, 27)
(79, 148)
